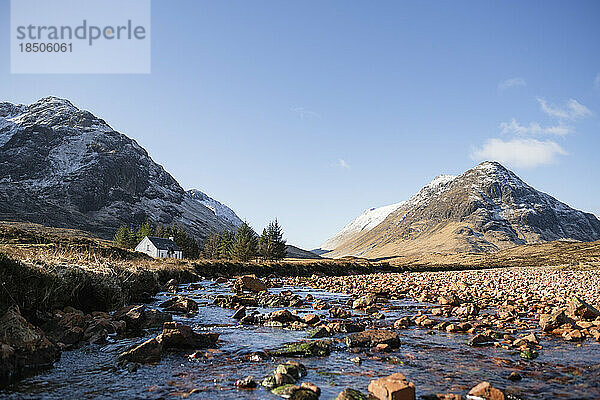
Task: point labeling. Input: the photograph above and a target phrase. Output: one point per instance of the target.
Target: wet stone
(351, 394)
(393, 387)
(179, 336)
(180, 304)
(373, 338)
(486, 391)
(317, 348)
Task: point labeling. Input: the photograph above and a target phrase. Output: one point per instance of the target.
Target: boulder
(345, 327)
(133, 316)
(283, 316)
(311, 319)
(179, 336)
(573, 335)
(549, 322)
(466, 310)
(481, 340)
(403, 323)
(239, 313)
(487, 392)
(147, 352)
(448, 300)
(312, 387)
(24, 346)
(292, 368)
(582, 309)
(304, 394)
(338, 312)
(155, 318)
(67, 329)
(319, 332)
(351, 394)
(365, 301)
(316, 348)
(249, 282)
(393, 387)
(373, 338)
(180, 304)
(285, 391)
(246, 383)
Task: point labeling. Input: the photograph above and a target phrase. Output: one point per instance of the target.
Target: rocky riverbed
(505, 333)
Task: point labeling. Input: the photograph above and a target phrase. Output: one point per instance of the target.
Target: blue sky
(313, 111)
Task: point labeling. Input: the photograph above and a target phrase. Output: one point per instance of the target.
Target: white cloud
(510, 83)
(534, 129)
(572, 110)
(519, 152)
(303, 113)
(342, 164)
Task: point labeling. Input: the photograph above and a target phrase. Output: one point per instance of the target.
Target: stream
(436, 361)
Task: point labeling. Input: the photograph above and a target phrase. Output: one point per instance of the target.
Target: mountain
(486, 209)
(219, 209)
(366, 221)
(64, 167)
(297, 252)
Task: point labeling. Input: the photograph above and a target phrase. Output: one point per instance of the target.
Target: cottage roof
(164, 244)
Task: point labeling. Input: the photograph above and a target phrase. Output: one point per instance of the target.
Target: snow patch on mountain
(366, 221)
(218, 208)
(432, 189)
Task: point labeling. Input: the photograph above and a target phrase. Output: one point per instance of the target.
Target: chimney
(171, 238)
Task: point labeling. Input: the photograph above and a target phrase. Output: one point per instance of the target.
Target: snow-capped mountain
(62, 166)
(485, 209)
(218, 208)
(366, 221)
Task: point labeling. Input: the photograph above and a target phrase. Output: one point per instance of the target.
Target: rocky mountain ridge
(64, 167)
(485, 209)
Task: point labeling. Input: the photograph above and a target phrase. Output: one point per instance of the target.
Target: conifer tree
(143, 231)
(121, 238)
(226, 244)
(245, 244)
(211, 246)
(272, 244)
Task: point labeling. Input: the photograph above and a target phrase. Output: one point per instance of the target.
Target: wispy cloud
(511, 83)
(572, 110)
(341, 163)
(525, 153)
(305, 114)
(534, 129)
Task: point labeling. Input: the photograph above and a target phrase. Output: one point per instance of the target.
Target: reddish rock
(582, 309)
(180, 304)
(23, 346)
(373, 338)
(147, 352)
(573, 336)
(550, 322)
(338, 312)
(448, 300)
(312, 387)
(487, 392)
(402, 323)
(311, 319)
(251, 283)
(393, 387)
(283, 316)
(179, 336)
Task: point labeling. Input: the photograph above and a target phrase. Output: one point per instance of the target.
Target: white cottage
(159, 247)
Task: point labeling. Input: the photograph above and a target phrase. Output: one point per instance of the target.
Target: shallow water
(437, 363)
